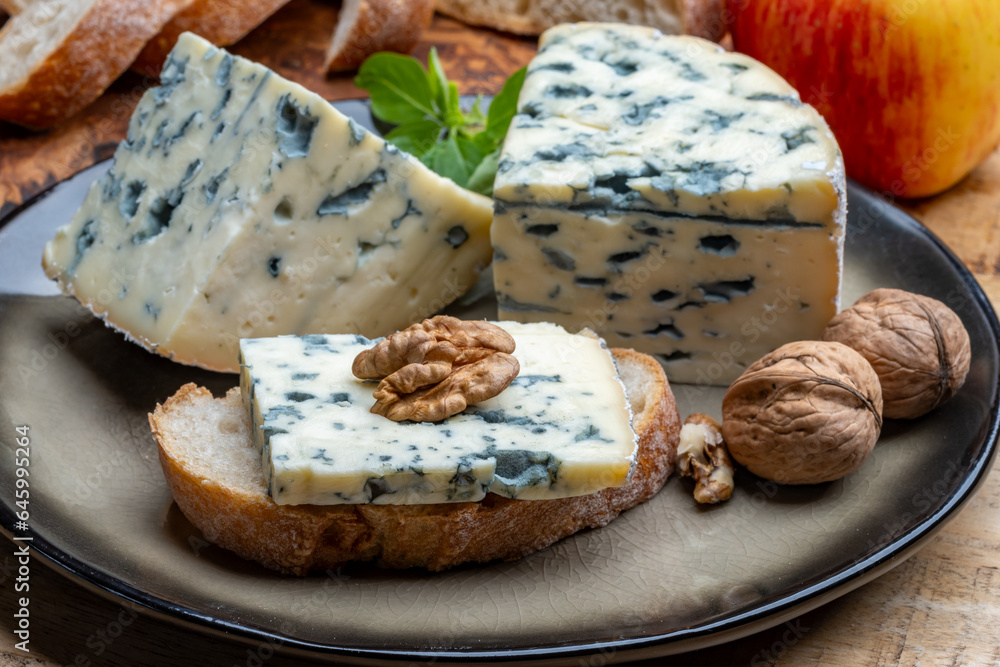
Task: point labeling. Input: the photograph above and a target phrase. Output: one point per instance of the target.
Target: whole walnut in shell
(917, 346)
(809, 412)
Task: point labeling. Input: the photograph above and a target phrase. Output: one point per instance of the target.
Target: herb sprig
(429, 122)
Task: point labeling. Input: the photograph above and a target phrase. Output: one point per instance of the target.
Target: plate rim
(755, 619)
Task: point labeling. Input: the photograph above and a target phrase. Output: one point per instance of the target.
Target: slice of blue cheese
(242, 205)
(676, 198)
(562, 428)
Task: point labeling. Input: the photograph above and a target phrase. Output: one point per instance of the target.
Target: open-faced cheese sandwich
(295, 472)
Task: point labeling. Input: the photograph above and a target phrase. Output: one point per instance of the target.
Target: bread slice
(213, 471)
(13, 7)
(59, 55)
(221, 22)
(703, 18)
(365, 27)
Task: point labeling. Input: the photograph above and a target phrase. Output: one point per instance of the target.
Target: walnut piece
(702, 456)
(436, 368)
(917, 345)
(809, 412)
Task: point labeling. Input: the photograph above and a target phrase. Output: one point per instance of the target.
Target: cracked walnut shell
(436, 368)
(917, 346)
(809, 412)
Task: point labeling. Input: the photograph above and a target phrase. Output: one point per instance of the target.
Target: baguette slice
(213, 471)
(365, 27)
(222, 22)
(59, 55)
(14, 7)
(702, 18)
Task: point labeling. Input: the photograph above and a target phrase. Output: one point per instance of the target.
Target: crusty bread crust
(495, 15)
(13, 7)
(703, 18)
(222, 22)
(213, 472)
(82, 66)
(365, 27)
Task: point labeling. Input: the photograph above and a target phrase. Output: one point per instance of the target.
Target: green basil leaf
(431, 155)
(453, 116)
(470, 152)
(504, 107)
(424, 105)
(486, 143)
(400, 92)
(438, 83)
(449, 162)
(415, 137)
(481, 179)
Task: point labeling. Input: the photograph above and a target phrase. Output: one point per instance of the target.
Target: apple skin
(910, 88)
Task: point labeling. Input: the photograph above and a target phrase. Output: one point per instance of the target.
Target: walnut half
(436, 368)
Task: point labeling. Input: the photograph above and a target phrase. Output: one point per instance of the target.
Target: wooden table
(940, 607)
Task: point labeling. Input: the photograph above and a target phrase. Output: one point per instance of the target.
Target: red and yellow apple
(911, 88)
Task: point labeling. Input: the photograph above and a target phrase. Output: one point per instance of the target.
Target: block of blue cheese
(243, 205)
(562, 428)
(676, 198)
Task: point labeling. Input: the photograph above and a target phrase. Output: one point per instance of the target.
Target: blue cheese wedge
(676, 198)
(243, 205)
(562, 428)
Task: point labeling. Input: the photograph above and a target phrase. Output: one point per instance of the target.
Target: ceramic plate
(665, 577)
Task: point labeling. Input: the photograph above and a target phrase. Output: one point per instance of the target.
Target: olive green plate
(667, 576)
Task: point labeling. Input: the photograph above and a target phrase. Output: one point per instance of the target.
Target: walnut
(436, 368)
(806, 413)
(702, 456)
(917, 346)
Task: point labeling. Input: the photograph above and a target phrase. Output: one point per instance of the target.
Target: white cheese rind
(242, 204)
(676, 198)
(562, 428)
